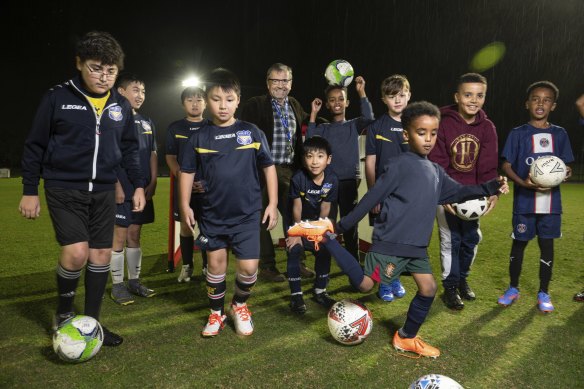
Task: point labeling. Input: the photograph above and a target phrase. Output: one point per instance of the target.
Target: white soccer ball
(78, 339)
(350, 322)
(435, 381)
(547, 172)
(471, 209)
(339, 72)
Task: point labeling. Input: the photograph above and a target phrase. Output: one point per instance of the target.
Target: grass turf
(483, 346)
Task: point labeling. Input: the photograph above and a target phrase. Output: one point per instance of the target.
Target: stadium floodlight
(191, 81)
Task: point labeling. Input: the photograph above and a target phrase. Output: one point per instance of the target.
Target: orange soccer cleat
(415, 345)
(312, 230)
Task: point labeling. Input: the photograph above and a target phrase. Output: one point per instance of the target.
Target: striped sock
(216, 287)
(67, 281)
(243, 286)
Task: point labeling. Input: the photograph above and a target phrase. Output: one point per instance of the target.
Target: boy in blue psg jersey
(226, 156)
(128, 226)
(179, 132)
(384, 141)
(409, 193)
(536, 211)
(312, 191)
(83, 130)
(343, 136)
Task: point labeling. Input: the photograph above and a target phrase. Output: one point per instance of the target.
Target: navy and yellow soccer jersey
(312, 195)
(384, 140)
(227, 160)
(178, 134)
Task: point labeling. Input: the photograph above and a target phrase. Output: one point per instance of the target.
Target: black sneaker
(60, 318)
(452, 299)
(465, 291)
(111, 339)
(324, 299)
(297, 304)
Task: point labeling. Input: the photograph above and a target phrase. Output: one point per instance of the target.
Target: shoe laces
(242, 312)
(315, 239)
(215, 318)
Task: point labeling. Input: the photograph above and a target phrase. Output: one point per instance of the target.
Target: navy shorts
(546, 226)
(125, 216)
(245, 244)
(82, 216)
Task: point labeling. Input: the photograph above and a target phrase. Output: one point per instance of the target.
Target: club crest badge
(115, 113)
(326, 187)
(521, 228)
(389, 269)
(544, 142)
(244, 137)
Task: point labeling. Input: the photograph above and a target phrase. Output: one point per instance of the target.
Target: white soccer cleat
(241, 317)
(214, 325)
(185, 273)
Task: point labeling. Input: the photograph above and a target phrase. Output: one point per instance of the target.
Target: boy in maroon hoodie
(467, 149)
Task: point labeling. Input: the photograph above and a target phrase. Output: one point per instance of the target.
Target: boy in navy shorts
(312, 191)
(128, 225)
(226, 155)
(384, 141)
(83, 130)
(179, 132)
(536, 211)
(409, 193)
(343, 136)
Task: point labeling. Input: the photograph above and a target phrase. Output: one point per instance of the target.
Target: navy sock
(95, 280)
(293, 268)
(322, 267)
(419, 308)
(186, 249)
(516, 261)
(345, 261)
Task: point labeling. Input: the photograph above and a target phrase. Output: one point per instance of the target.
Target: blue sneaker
(385, 293)
(397, 288)
(544, 302)
(509, 296)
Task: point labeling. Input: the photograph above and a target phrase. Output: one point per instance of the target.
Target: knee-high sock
(419, 308)
(134, 260)
(243, 286)
(95, 281)
(216, 286)
(293, 269)
(322, 267)
(117, 266)
(67, 281)
(345, 261)
(516, 261)
(546, 263)
(186, 249)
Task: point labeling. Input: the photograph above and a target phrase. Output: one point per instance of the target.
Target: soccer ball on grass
(435, 381)
(350, 322)
(78, 339)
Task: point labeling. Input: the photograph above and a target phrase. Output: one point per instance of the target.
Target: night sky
(430, 41)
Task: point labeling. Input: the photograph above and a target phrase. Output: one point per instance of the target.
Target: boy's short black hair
(316, 143)
(100, 46)
(125, 79)
(544, 84)
(471, 78)
(224, 79)
(393, 84)
(417, 109)
(332, 87)
(192, 91)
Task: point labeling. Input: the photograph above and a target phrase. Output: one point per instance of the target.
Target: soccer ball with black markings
(339, 72)
(350, 322)
(471, 209)
(78, 339)
(547, 172)
(435, 381)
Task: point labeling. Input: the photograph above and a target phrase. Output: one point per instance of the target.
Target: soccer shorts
(125, 216)
(82, 216)
(245, 244)
(546, 226)
(390, 267)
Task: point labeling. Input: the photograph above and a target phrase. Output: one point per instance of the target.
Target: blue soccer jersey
(311, 194)
(524, 145)
(178, 134)
(384, 140)
(227, 159)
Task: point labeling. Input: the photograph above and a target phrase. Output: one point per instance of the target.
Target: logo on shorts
(115, 113)
(521, 228)
(544, 142)
(389, 269)
(244, 137)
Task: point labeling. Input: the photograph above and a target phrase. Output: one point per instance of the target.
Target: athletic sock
(186, 249)
(345, 261)
(322, 267)
(204, 257)
(216, 286)
(243, 286)
(134, 259)
(117, 267)
(67, 281)
(546, 263)
(419, 308)
(516, 261)
(95, 281)
(293, 268)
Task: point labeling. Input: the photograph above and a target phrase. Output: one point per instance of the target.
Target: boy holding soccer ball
(536, 210)
(226, 155)
(408, 194)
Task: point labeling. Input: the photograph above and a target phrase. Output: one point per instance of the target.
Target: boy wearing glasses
(81, 133)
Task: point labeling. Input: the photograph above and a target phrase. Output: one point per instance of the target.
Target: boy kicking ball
(408, 194)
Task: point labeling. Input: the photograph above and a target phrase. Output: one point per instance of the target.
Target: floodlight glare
(191, 81)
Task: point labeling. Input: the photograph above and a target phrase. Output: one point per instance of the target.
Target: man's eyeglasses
(98, 72)
(277, 81)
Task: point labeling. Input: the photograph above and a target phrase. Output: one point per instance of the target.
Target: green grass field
(483, 346)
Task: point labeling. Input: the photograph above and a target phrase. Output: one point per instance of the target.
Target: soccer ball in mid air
(349, 321)
(471, 209)
(339, 72)
(435, 381)
(78, 339)
(548, 171)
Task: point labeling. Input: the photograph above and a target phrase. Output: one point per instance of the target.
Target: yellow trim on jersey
(98, 103)
(255, 145)
(181, 136)
(204, 151)
(382, 138)
(147, 132)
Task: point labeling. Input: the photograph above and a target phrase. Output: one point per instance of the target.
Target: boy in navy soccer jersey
(312, 190)
(128, 225)
(384, 141)
(409, 193)
(179, 132)
(343, 136)
(226, 156)
(536, 211)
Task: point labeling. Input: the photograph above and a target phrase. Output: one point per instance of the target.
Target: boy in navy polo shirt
(536, 211)
(409, 193)
(225, 155)
(312, 191)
